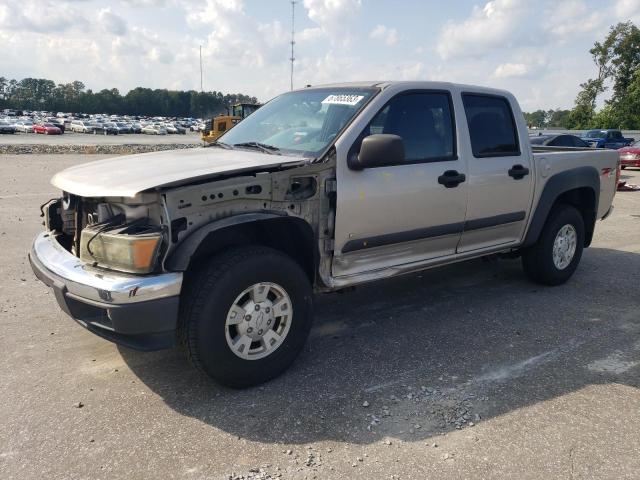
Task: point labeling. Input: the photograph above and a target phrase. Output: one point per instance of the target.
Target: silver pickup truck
(220, 249)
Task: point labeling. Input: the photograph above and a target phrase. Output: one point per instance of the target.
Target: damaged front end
(122, 234)
(102, 257)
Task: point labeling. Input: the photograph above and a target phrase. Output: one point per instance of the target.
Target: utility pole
(201, 69)
(293, 41)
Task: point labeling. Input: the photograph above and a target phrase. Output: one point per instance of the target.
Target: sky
(538, 49)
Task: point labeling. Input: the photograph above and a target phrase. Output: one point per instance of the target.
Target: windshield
(594, 134)
(302, 122)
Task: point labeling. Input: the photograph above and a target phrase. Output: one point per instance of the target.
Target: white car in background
(153, 129)
(24, 126)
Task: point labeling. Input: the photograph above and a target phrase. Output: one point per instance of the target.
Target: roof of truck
(426, 84)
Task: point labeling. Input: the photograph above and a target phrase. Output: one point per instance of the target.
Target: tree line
(617, 62)
(41, 94)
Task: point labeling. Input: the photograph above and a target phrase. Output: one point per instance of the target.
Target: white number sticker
(343, 99)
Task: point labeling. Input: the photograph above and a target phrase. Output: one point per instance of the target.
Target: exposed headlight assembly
(132, 247)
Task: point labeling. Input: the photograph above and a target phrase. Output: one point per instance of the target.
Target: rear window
(491, 126)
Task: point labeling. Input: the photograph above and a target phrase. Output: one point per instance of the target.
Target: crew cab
(221, 248)
(608, 138)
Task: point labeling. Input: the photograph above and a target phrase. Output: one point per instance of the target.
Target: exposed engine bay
(122, 233)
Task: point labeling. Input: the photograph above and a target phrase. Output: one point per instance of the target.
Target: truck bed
(551, 160)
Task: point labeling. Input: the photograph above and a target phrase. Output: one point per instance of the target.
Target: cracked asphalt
(468, 371)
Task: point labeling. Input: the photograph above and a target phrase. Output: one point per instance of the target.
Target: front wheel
(246, 315)
(556, 255)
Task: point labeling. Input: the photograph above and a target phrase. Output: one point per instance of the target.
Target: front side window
(303, 122)
(492, 127)
(424, 122)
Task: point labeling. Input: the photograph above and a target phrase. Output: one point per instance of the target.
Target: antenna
(200, 68)
(293, 41)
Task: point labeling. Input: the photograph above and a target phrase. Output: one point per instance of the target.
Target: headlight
(129, 248)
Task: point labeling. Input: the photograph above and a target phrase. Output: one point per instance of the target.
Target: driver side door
(400, 214)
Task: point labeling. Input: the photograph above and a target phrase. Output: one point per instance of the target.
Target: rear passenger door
(500, 179)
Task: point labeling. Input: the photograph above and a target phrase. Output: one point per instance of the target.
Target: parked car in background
(630, 156)
(154, 129)
(180, 129)
(107, 128)
(606, 138)
(47, 129)
(7, 127)
(559, 141)
(58, 122)
(123, 127)
(24, 126)
(170, 128)
(136, 127)
(82, 126)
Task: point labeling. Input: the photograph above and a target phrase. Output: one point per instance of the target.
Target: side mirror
(378, 150)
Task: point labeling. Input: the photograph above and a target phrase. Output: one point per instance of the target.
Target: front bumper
(137, 311)
(630, 162)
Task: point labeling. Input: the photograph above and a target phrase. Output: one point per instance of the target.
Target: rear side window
(424, 121)
(562, 141)
(579, 143)
(491, 126)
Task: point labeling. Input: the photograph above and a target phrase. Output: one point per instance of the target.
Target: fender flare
(557, 185)
(180, 258)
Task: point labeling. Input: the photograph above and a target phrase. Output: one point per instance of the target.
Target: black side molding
(431, 232)
(488, 222)
(401, 237)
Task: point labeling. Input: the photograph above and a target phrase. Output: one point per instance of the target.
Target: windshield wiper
(263, 147)
(220, 144)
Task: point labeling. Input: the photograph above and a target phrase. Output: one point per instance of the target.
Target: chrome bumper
(138, 311)
(98, 285)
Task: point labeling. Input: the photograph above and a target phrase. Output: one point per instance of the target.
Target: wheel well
(291, 236)
(583, 199)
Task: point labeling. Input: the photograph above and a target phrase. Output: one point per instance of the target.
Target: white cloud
(46, 16)
(506, 70)
(111, 22)
(498, 24)
(571, 17)
(628, 10)
(527, 64)
(332, 17)
(388, 35)
(235, 38)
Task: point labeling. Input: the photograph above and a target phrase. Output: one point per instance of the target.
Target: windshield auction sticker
(343, 99)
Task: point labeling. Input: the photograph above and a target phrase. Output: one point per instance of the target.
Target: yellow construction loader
(216, 126)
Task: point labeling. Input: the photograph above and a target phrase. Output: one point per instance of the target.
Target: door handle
(451, 178)
(518, 172)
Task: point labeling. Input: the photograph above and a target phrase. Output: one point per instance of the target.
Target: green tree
(536, 119)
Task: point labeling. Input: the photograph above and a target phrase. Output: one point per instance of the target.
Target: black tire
(538, 260)
(209, 294)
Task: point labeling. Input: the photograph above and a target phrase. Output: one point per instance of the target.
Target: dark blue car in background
(606, 138)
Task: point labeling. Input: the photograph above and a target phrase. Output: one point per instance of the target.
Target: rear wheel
(245, 316)
(556, 255)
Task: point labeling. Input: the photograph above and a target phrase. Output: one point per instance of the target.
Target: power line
(293, 32)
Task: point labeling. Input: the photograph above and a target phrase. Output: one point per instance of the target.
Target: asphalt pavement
(468, 371)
